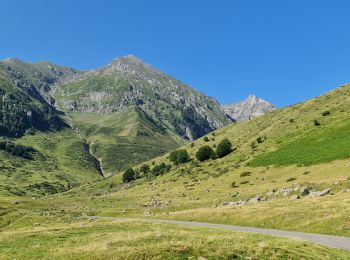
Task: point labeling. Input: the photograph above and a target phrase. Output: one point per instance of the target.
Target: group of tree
(177, 157)
(130, 174)
(206, 152)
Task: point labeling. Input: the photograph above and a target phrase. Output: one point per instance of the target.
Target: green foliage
(323, 145)
(179, 156)
(326, 113)
(224, 148)
(245, 174)
(160, 169)
(204, 153)
(128, 175)
(25, 152)
(145, 168)
(206, 139)
(317, 123)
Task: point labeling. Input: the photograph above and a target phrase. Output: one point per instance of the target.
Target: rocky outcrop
(248, 109)
(128, 81)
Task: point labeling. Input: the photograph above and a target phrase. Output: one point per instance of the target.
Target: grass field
(139, 240)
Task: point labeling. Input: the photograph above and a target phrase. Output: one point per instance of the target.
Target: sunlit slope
(124, 138)
(61, 162)
(301, 154)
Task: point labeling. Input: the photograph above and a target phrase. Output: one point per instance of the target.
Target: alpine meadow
(126, 161)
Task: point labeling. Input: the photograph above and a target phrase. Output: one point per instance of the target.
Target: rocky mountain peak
(248, 108)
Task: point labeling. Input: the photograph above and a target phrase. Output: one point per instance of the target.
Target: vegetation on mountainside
(204, 153)
(324, 145)
(179, 156)
(19, 112)
(125, 138)
(25, 152)
(58, 161)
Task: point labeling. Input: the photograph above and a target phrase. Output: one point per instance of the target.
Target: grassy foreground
(139, 240)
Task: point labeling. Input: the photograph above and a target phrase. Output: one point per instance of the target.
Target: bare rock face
(248, 109)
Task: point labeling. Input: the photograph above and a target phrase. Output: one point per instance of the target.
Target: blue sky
(284, 51)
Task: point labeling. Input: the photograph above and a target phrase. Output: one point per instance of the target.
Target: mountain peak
(248, 108)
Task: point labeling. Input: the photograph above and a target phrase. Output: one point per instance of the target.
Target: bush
(224, 148)
(326, 113)
(204, 153)
(179, 156)
(145, 168)
(129, 175)
(316, 122)
(160, 169)
(245, 174)
(291, 179)
(244, 182)
(206, 139)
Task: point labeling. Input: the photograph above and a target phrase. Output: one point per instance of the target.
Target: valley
(287, 169)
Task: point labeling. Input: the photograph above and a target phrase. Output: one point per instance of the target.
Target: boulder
(319, 193)
(295, 197)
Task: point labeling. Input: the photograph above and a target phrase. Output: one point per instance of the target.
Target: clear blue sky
(284, 51)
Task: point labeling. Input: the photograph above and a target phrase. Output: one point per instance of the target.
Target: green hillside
(124, 138)
(279, 158)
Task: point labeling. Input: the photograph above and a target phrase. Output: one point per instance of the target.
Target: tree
(179, 156)
(204, 153)
(129, 175)
(145, 168)
(182, 156)
(224, 148)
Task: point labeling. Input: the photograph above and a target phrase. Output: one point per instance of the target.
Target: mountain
(130, 111)
(126, 112)
(248, 109)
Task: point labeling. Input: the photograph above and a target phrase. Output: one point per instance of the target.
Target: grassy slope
(190, 191)
(124, 138)
(195, 191)
(62, 164)
(137, 240)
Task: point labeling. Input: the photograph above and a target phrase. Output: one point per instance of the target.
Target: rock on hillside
(249, 108)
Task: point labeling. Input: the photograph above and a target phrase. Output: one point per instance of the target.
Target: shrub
(316, 122)
(326, 113)
(245, 174)
(145, 168)
(204, 153)
(259, 140)
(291, 120)
(179, 156)
(160, 169)
(233, 185)
(291, 179)
(244, 182)
(224, 148)
(192, 144)
(206, 139)
(129, 175)
(253, 145)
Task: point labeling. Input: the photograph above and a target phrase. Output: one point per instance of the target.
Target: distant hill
(248, 109)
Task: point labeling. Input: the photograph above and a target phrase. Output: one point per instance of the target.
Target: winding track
(327, 240)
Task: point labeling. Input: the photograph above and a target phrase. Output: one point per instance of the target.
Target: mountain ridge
(249, 108)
